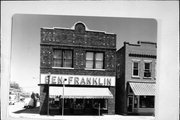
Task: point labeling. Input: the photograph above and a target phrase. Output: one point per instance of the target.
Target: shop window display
(146, 101)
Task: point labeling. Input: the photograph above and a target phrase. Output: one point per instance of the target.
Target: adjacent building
(136, 78)
(77, 71)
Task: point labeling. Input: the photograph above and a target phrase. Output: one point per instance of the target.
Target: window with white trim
(62, 58)
(135, 68)
(94, 60)
(147, 69)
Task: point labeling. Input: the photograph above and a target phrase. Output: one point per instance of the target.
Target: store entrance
(76, 106)
(130, 104)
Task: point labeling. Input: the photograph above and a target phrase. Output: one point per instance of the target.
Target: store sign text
(78, 80)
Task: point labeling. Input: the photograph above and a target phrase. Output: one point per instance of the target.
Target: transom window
(62, 58)
(147, 69)
(94, 60)
(135, 71)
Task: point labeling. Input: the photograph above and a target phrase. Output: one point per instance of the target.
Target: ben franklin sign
(78, 80)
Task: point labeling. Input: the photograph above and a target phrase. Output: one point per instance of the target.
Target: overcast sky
(25, 58)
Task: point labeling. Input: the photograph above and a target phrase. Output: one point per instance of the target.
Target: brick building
(135, 78)
(77, 70)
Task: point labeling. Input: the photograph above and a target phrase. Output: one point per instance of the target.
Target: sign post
(49, 74)
(99, 110)
(63, 98)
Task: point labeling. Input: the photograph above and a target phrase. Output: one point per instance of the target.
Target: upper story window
(135, 69)
(94, 60)
(62, 58)
(147, 69)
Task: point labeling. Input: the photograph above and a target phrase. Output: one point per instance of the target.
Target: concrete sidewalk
(104, 117)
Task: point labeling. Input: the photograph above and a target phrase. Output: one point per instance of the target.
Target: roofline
(73, 28)
(139, 43)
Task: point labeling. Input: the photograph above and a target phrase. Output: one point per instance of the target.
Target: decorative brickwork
(79, 40)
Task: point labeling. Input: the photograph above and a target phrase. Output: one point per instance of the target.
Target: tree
(14, 85)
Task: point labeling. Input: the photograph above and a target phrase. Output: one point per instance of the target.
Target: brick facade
(142, 51)
(79, 40)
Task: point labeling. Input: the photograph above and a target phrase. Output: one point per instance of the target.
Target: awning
(147, 89)
(81, 92)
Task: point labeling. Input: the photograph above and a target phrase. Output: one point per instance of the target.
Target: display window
(102, 103)
(146, 102)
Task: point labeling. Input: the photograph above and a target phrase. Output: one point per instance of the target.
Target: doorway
(130, 104)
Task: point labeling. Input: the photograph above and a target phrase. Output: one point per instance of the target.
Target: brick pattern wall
(120, 82)
(71, 37)
(79, 41)
(111, 102)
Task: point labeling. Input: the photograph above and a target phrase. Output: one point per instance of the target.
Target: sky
(25, 49)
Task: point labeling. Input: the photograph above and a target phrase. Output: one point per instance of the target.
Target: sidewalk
(105, 117)
(18, 111)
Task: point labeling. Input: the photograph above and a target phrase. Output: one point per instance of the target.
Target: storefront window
(101, 102)
(146, 102)
(94, 60)
(68, 103)
(79, 104)
(88, 103)
(62, 58)
(54, 102)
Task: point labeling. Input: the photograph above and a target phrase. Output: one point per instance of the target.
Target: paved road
(17, 111)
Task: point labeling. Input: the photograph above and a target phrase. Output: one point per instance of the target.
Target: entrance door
(130, 104)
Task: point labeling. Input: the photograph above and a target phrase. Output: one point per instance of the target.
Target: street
(17, 111)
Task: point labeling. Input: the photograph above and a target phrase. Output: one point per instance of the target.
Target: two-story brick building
(135, 78)
(77, 71)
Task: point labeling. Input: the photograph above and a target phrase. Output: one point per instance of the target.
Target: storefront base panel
(144, 111)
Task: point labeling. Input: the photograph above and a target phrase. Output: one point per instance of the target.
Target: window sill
(95, 69)
(62, 68)
(136, 77)
(147, 77)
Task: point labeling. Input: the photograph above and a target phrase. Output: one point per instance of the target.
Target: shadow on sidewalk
(30, 110)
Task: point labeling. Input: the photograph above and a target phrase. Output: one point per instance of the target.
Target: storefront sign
(78, 80)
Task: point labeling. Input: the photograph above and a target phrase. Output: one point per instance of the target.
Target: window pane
(99, 65)
(89, 59)
(57, 63)
(89, 64)
(147, 69)
(67, 54)
(147, 65)
(89, 56)
(99, 56)
(57, 53)
(57, 58)
(135, 65)
(135, 69)
(67, 63)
